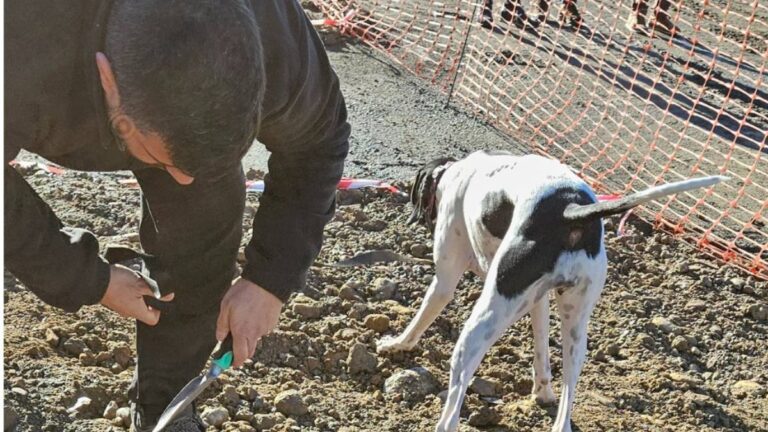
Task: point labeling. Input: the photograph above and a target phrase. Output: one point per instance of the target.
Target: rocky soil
(676, 343)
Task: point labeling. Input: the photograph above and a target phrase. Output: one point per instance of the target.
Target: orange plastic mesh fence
(629, 94)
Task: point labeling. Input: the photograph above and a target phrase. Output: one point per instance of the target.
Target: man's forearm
(299, 200)
(60, 265)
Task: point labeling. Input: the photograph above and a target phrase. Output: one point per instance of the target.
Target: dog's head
(424, 189)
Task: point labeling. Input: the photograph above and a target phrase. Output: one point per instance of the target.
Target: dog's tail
(583, 213)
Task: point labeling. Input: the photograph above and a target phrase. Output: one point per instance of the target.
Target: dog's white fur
(462, 242)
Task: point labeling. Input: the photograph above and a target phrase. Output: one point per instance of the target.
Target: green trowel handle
(224, 355)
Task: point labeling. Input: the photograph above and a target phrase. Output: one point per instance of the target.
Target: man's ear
(108, 82)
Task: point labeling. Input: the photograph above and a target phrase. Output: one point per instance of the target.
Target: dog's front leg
(542, 373)
(452, 254)
(491, 316)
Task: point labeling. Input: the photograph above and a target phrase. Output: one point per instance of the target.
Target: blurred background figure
(661, 22)
(513, 12)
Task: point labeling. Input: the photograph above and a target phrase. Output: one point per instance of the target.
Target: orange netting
(629, 94)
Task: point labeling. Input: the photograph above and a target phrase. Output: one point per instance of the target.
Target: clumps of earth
(677, 341)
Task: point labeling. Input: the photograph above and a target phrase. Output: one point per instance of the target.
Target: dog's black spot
(500, 168)
(497, 213)
(575, 334)
(542, 238)
(497, 153)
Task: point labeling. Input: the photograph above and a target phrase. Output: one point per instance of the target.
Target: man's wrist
(251, 284)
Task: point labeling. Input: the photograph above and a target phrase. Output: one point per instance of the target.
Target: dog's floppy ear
(416, 196)
(423, 192)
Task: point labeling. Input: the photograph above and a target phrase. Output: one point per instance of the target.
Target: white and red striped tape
(345, 183)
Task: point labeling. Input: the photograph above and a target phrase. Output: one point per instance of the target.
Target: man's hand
(125, 295)
(249, 312)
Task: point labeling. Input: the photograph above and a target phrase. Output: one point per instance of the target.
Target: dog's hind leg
(452, 256)
(542, 373)
(575, 307)
(490, 317)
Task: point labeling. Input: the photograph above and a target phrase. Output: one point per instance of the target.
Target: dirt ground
(676, 343)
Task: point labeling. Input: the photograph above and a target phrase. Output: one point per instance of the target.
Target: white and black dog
(528, 226)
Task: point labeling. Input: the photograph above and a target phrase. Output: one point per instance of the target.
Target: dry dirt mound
(677, 342)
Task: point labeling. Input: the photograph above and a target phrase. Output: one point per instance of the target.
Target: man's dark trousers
(188, 229)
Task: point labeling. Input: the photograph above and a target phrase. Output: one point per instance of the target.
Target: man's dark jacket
(55, 108)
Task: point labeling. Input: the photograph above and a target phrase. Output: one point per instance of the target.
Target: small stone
(87, 359)
(384, 289)
(696, 305)
(249, 393)
(360, 360)
(613, 349)
(19, 391)
(103, 357)
(290, 403)
(229, 395)
(348, 293)
(110, 412)
(244, 415)
(680, 343)
(684, 378)
(312, 363)
(411, 384)
(116, 368)
(419, 250)
(345, 334)
(122, 355)
(664, 324)
(377, 322)
(758, 312)
(358, 311)
(259, 405)
(484, 386)
(374, 225)
(51, 338)
(311, 310)
(737, 282)
(485, 416)
(215, 416)
(81, 405)
(265, 421)
(747, 388)
(124, 415)
(644, 339)
(74, 347)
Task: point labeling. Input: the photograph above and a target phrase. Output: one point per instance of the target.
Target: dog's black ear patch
(497, 213)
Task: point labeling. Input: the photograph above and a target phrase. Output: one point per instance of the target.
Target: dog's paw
(389, 344)
(544, 397)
